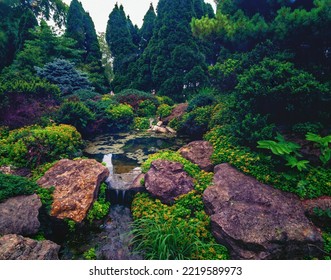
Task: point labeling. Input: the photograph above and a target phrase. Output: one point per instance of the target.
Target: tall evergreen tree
(81, 28)
(27, 22)
(172, 52)
(121, 44)
(146, 31)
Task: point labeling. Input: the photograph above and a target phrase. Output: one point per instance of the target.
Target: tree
(46, 9)
(27, 22)
(63, 73)
(80, 27)
(172, 51)
(146, 31)
(120, 41)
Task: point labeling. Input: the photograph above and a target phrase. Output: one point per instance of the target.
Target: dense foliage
(32, 146)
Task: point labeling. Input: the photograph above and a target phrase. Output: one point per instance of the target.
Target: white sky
(100, 9)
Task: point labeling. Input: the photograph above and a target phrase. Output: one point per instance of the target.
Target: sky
(100, 9)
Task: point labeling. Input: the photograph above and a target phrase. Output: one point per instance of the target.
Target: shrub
(165, 100)
(201, 100)
(35, 145)
(141, 123)
(84, 95)
(75, 114)
(120, 116)
(90, 254)
(146, 109)
(195, 123)
(134, 97)
(304, 128)
(63, 74)
(14, 186)
(164, 111)
(100, 207)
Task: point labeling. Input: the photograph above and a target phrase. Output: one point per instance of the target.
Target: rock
(167, 180)
(136, 184)
(170, 130)
(256, 221)
(19, 215)
(160, 123)
(199, 152)
(318, 210)
(159, 129)
(176, 113)
(9, 170)
(76, 185)
(16, 247)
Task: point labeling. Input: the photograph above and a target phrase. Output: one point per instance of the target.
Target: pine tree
(81, 28)
(121, 44)
(146, 31)
(172, 51)
(27, 22)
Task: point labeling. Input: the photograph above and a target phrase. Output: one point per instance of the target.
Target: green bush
(141, 123)
(84, 95)
(146, 108)
(195, 123)
(201, 100)
(14, 186)
(134, 97)
(75, 114)
(120, 116)
(164, 111)
(35, 145)
(304, 128)
(165, 100)
(90, 254)
(100, 207)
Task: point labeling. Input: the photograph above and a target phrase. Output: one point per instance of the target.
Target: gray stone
(167, 180)
(16, 247)
(318, 210)
(199, 152)
(19, 215)
(256, 221)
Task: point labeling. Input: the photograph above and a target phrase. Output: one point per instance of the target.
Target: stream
(123, 154)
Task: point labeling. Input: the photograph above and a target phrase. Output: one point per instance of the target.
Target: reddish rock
(16, 247)
(256, 221)
(199, 152)
(318, 210)
(167, 180)
(19, 215)
(76, 186)
(176, 113)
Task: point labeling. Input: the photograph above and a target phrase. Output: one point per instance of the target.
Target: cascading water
(118, 191)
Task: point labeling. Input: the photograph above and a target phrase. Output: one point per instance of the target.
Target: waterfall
(118, 191)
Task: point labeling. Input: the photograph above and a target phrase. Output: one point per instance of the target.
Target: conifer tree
(81, 28)
(146, 31)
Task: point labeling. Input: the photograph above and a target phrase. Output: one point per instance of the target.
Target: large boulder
(318, 210)
(19, 215)
(176, 113)
(199, 152)
(257, 221)
(167, 180)
(16, 247)
(76, 185)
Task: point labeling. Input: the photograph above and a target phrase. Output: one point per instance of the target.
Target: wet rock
(256, 221)
(199, 152)
(176, 113)
(16, 247)
(76, 186)
(319, 210)
(19, 215)
(167, 180)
